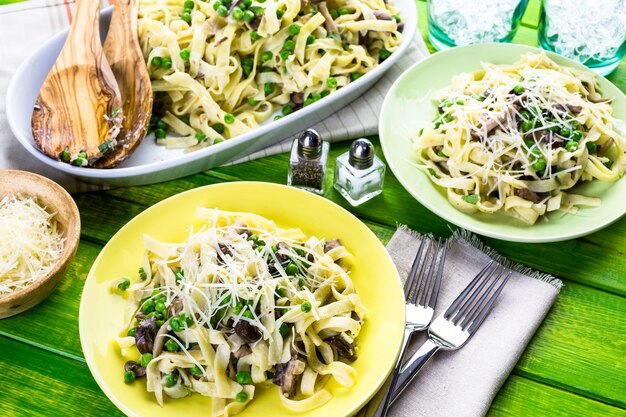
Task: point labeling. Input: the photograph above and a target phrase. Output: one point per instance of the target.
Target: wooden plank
(39, 383)
(521, 397)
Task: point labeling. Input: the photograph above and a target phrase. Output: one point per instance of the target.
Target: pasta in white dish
(512, 138)
(221, 67)
(239, 304)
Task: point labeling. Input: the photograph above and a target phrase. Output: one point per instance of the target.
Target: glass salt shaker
(359, 174)
(308, 161)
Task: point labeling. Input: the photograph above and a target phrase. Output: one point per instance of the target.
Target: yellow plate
(374, 276)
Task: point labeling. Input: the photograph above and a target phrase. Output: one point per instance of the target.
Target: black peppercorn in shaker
(307, 163)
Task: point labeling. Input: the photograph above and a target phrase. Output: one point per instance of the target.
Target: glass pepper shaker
(308, 161)
(359, 173)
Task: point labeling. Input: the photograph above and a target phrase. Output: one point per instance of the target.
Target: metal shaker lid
(309, 144)
(361, 154)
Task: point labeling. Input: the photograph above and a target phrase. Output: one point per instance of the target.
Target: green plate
(407, 108)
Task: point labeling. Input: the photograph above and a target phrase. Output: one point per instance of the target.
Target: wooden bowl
(55, 199)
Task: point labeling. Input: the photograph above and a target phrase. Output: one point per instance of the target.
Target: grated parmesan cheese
(31, 243)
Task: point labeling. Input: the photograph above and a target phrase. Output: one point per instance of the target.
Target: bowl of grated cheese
(39, 233)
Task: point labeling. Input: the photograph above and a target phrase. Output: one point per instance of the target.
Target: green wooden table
(574, 366)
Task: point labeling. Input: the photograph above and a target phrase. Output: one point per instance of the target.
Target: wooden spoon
(78, 112)
(123, 52)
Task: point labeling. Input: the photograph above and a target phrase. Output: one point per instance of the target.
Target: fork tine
(420, 275)
(458, 300)
(435, 291)
(473, 312)
(469, 302)
(487, 308)
(408, 285)
(431, 270)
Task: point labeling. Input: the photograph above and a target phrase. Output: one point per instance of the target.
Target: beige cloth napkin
(24, 26)
(463, 383)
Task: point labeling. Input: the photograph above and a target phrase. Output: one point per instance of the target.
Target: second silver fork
(421, 290)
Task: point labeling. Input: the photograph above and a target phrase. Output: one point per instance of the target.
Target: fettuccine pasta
(512, 138)
(221, 67)
(239, 304)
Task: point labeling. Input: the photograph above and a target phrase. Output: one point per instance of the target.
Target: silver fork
(427, 269)
(452, 329)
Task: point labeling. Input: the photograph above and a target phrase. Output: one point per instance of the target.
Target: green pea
(171, 346)
(266, 56)
(384, 54)
(310, 39)
(539, 165)
(156, 315)
(565, 132)
(179, 275)
(222, 11)
(186, 319)
(305, 307)
(396, 18)
(175, 324)
(219, 128)
(142, 272)
(248, 314)
(294, 29)
(331, 82)
(160, 307)
(574, 124)
(166, 63)
(280, 13)
(156, 61)
(288, 109)
(301, 282)
(148, 306)
(284, 330)
(229, 118)
(160, 133)
(185, 54)
(441, 154)
(342, 11)
(241, 397)
(132, 332)
(145, 359)
(258, 11)
(525, 115)
(291, 269)
(217, 4)
(289, 45)
(129, 377)
(124, 284)
(217, 140)
(196, 370)
(248, 15)
(460, 102)
(186, 17)
(355, 76)
(577, 135)
(243, 378)
(285, 55)
(308, 101)
(254, 35)
(189, 4)
(247, 3)
(527, 125)
(170, 380)
(237, 13)
(334, 14)
(571, 146)
(554, 128)
(268, 88)
(200, 137)
(252, 102)
(237, 307)
(592, 147)
(471, 198)
(280, 292)
(65, 155)
(518, 89)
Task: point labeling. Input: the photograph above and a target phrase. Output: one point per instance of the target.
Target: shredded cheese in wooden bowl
(32, 243)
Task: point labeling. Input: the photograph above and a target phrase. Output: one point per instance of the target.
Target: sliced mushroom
(330, 25)
(342, 348)
(280, 256)
(175, 308)
(247, 331)
(382, 15)
(244, 350)
(527, 194)
(605, 146)
(159, 340)
(136, 368)
(287, 375)
(332, 244)
(145, 334)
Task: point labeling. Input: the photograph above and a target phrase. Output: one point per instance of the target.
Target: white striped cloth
(24, 26)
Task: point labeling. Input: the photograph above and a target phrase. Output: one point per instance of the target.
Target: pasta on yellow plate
(221, 67)
(237, 306)
(512, 138)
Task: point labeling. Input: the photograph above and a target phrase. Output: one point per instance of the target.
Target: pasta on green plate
(219, 68)
(513, 138)
(237, 306)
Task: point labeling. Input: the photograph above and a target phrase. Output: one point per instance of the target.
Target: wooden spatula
(122, 50)
(79, 109)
